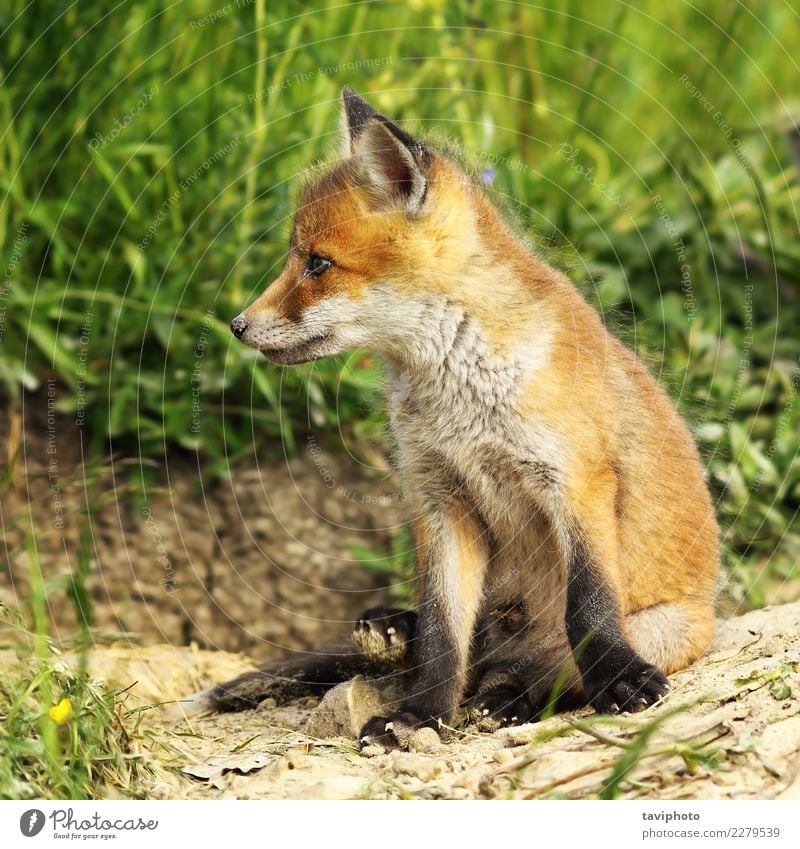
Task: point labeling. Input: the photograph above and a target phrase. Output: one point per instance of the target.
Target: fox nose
(238, 326)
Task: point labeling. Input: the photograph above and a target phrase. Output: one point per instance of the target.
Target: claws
(385, 634)
(391, 732)
(500, 706)
(639, 686)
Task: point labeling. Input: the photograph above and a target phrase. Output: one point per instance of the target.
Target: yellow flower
(61, 712)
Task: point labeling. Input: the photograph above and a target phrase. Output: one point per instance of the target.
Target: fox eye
(317, 266)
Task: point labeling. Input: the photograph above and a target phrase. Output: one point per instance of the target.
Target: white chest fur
(458, 423)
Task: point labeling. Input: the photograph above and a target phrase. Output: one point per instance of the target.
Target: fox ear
(355, 115)
(391, 165)
(391, 160)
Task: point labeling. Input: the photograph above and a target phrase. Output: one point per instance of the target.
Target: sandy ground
(730, 728)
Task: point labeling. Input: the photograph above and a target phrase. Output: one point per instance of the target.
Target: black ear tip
(357, 111)
(351, 97)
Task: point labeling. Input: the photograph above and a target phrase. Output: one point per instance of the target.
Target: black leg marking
(451, 558)
(616, 679)
(435, 687)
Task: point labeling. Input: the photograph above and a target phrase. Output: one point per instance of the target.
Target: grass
(95, 754)
(62, 735)
(147, 164)
(148, 156)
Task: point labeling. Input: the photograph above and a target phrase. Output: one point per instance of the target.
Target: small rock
(505, 756)
(424, 740)
(770, 646)
(289, 762)
(373, 751)
(296, 760)
(425, 769)
(344, 709)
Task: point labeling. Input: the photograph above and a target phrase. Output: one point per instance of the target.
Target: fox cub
(565, 538)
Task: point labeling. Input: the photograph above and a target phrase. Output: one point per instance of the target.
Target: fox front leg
(451, 561)
(616, 679)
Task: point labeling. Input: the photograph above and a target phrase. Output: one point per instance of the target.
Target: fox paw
(385, 633)
(499, 707)
(634, 687)
(392, 732)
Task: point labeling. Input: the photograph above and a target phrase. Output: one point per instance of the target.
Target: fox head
(381, 243)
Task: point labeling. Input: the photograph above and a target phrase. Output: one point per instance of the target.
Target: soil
(729, 729)
(263, 560)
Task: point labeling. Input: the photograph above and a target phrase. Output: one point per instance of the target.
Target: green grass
(679, 160)
(646, 151)
(638, 145)
(93, 755)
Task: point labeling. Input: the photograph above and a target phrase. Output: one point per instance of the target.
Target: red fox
(564, 534)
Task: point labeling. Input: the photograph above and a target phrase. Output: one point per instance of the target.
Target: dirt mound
(730, 728)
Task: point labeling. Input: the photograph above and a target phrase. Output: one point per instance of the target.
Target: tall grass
(148, 155)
